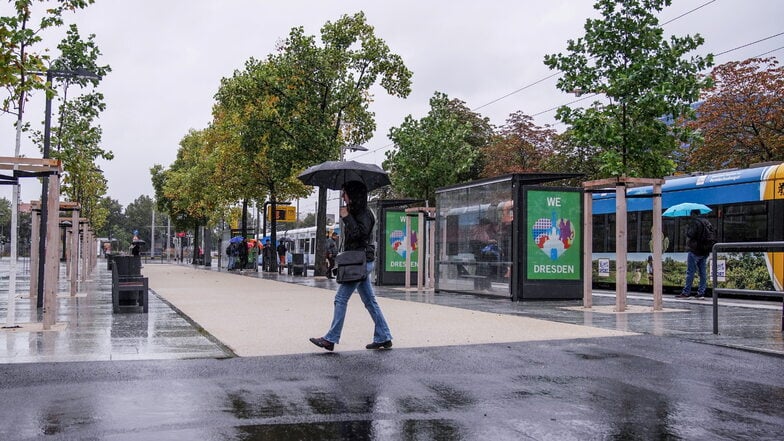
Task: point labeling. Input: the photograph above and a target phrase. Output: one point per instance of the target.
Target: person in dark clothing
(332, 251)
(281, 256)
(242, 254)
(697, 257)
(358, 224)
(269, 256)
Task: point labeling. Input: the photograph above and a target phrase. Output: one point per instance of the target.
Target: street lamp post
(353, 148)
(50, 75)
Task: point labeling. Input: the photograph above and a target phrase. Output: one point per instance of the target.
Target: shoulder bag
(352, 266)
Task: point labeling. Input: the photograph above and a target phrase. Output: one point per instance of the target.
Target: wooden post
(35, 221)
(431, 251)
(620, 247)
(74, 263)
(587, 250)
(421, 253)
(657, 238)
(87, 252)
(407, 246)
(52, 270)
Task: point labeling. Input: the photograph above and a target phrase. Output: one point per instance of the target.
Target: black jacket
(357, 234)
(694, 237)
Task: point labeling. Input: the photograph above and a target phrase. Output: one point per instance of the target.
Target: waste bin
(298, 264)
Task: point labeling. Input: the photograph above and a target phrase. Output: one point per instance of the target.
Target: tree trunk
(320, 265)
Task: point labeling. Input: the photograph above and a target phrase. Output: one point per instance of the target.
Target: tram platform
(197, 312)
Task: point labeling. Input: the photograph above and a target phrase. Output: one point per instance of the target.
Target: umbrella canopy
(139, 241)
(333, 174)
(685, 209)
(236, 239)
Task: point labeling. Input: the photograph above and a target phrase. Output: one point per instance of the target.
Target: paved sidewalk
(202, 313)
(255, 316)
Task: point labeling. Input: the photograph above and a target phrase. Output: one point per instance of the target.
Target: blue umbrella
(685, 209)
(236, 239)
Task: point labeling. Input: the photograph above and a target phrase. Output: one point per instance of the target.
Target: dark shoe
(681, 296)
(701, 297)
(383, 345)
(322, 343)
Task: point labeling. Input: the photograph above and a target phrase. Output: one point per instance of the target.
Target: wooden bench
(129, 287)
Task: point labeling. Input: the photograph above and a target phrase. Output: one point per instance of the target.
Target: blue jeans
(693, 264)
(381, 332)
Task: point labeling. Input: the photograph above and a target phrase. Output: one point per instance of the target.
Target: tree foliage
(77, 138)
(251, 148)
(185, 190)
(138, 216)
(519, 146)
(431, 152)
(323, 93)
(645, 77)
(20, 35)
(742, 117)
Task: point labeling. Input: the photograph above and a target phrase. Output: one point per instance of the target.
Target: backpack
(708, 237)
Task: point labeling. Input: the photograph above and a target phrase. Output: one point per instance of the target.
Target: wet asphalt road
(629, 388)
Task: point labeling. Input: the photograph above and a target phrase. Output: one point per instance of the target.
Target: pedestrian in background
(698, 250)
(281, 256)
(332, 251)
(357, 231)
(242, 254)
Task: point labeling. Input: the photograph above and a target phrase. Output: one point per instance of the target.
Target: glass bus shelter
(510, 236)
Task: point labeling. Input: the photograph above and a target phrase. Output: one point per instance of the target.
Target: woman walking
(358, 224)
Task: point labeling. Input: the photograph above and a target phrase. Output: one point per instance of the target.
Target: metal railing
(740, 247)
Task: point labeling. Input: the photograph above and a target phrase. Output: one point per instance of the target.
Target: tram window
(633, 239)
(670, 230)
(598, 240)
(745, 223)
(610, 233)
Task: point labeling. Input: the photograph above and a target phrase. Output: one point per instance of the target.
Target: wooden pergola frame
(424, 272)
(620, 185)
(40, 167)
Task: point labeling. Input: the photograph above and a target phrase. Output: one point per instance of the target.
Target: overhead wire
(539, 81)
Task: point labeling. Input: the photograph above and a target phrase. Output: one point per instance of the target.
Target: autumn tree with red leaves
(519, 146)
(742, 117)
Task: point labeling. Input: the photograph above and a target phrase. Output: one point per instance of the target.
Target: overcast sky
(168, 56)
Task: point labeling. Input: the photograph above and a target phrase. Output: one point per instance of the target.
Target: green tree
(568, 155)
(20, 56)
(5, 221)
(77, 137)
(139, 217)
(184, 191)
(249, 150)
(431, 152)
(625, 57)
(116, 223)
(323, 93)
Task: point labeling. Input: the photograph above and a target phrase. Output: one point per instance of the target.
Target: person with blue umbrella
(700, 237)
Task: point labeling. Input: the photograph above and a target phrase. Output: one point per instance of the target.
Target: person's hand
(343, 211)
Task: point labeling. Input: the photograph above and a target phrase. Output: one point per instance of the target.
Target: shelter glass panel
(474, 238)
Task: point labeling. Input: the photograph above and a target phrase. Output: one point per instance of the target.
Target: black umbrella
(333, 174)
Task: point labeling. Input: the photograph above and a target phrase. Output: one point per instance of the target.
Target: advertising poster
(399, 242)
(554, 222)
